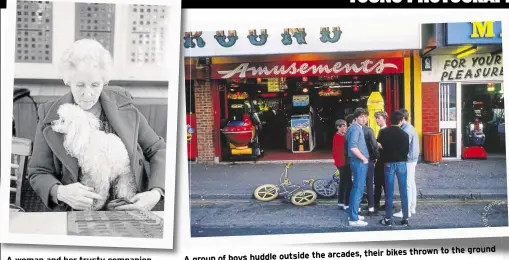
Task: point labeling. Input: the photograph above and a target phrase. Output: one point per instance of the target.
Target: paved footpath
(249, 217)
(475, 179)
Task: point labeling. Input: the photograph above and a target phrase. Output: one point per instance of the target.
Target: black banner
(344, 4)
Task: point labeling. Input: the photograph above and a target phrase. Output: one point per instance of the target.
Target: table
(43, 223)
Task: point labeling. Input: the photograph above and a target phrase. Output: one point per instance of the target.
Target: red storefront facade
(209, 79)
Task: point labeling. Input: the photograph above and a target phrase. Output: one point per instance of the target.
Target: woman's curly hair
(86, 52)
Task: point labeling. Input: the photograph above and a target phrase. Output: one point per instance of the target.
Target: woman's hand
(142, 201)
(77, 195)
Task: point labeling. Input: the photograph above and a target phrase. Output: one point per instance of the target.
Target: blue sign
(300, 123)
(486, 32)
(300, 100)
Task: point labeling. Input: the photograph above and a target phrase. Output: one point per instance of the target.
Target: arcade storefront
(465, 93)
(463, 90)
(274, 94)
(296, 99)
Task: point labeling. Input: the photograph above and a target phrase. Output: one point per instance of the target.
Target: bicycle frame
(286, 184)
(297, 194)
(334, 178)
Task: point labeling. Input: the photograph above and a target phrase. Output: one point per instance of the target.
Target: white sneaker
(358, 223)
(360, 218)
(345, 207)
(412, 213)
(341, 205)
(400, 214)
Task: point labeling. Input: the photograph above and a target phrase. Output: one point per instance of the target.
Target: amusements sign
(307, 68)
(472, 68)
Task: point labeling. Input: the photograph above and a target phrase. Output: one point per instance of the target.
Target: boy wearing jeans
(359, 158)
(413, 156)
(374, 155)
(394, 142)
(338, 153)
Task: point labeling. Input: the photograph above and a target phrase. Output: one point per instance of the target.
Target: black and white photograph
(93, 146)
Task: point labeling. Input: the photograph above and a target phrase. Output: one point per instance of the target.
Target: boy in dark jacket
(395, 144)
(374, 155)
(381, 121)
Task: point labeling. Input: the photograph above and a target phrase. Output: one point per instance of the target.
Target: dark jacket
(50, 164)
(371, 143)
(395, 144)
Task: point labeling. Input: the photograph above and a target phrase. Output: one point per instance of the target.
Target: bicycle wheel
(325, 188)
(266, 192)
(303, 198)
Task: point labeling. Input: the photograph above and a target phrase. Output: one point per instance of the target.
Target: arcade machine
(475, 135)
(242, 128)
(300, 136)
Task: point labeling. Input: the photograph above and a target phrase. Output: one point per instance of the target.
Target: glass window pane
(96, 21)
(34, 24)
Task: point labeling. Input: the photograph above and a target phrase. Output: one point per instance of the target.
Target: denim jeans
(398, 169)
(359, 170)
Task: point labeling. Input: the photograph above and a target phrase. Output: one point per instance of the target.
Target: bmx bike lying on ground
(297, 194)
(327, 188)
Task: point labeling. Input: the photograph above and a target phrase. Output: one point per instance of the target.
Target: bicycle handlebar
(288, 164)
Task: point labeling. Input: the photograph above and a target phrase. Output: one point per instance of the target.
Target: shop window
(34, 26)
(484, 102)
(96, 21)
(146, 39)
(448, 118)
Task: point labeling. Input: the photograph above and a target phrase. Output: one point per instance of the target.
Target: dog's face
(73, 119)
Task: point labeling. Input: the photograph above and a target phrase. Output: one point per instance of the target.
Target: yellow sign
(273, 85)
(238, 95)
(330, 93)
(483, 30)
(375, 103)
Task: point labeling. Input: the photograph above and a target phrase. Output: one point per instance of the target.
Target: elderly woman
(55, 175)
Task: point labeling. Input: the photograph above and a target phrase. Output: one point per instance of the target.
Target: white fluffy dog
(103, 158)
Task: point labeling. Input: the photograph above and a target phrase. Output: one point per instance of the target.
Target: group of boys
(373, 162)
